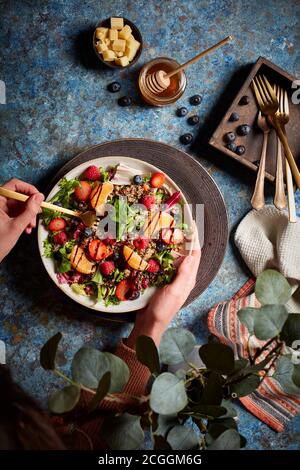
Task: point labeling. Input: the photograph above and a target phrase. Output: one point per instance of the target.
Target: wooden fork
(268, 103)
(258, 198)
(88, 217)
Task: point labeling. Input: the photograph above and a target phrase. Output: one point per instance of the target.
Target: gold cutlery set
(274, 112)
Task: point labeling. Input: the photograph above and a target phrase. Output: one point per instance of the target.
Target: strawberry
(148, 201)
(83, 191)
(92, 173)
(157, 180)
(57, 224)
(98, 250)
(109, 240)
(124, 289)
(153, 266)
(60, 238)
(172, 236)
(107, 268)
(141, 243)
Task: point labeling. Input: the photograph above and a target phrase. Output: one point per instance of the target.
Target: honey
(174, 90)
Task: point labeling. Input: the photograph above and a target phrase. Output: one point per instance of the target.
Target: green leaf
(183, 438)
(269, 321)
(272, 288)
(176, 345)
(48, 248)
(88, 366)
(165, 423)
(291, 329)
(97, 277)
(213, 391)
(213, 411)
(64, 400)
(216, 427)
(64, 266)
(218, 357)
(123, 432)
(246, 385)
(48, 352)
(284, 375)
(168, 395)
(119, 371)
(240, 364)
(147, 353)
(230, 409)
(246, 316)
(228, 440)
(102, 391)
(296, 375)
(161, 443)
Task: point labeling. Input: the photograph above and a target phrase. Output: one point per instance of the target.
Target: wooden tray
(198, 187)
(248, 115)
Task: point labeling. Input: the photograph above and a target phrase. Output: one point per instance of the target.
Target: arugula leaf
(48, 215)
(67, 188)
(48, 248)
(97, 277)
(64, 266)
(64, 253)
(104, 174)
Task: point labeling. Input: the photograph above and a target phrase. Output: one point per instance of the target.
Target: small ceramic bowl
(135, 32)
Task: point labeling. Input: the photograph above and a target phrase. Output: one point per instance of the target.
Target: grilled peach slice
(80, 262)
(172, 236)
(134, 260)
(100, 194)
(156, 222)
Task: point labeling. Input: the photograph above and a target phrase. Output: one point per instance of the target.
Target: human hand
(163, 306)
(16, 216)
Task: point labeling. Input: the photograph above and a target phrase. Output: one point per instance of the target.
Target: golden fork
(279, 198)
(283, 117)
(88, 217)
(268, 104)
(258, 198)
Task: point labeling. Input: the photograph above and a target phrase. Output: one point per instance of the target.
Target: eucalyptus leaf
(284, 375)
(88, 366)
(176, 345)
(102, 390)
(48, 352)
(64, 400)
(216, 427)
(147, 353)
(217, 357)
(119, 373)
(213, 411)
(168, 395)
(161, 443)
(272, 288)
(246, 316)
(165, 423)
(296, 375)
(228, 440)
(245, 386)
(123, 432)
(269, 321)
(213, 391)
(230, 409)
(183, 438)
(291, 329)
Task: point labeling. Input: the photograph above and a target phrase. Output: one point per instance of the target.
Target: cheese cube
(116, 23)
(113, 34)
(101, 33)
(131, 50)
(130, 40)
(123, 61)
(119, 45)
(101, 47)
(109, 56)
(125, 32)
(119, 54)
(107, 41)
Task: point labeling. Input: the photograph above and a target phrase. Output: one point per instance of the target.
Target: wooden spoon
(88, 217)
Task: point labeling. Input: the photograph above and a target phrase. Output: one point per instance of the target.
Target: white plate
(127, 305)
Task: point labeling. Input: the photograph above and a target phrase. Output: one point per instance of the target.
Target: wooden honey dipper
(159, 81)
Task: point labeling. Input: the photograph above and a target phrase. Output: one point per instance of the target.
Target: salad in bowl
(142, 228)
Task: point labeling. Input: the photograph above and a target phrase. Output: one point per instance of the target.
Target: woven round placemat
(194, 181)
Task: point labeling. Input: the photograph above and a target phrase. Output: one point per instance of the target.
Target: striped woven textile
(269, 402)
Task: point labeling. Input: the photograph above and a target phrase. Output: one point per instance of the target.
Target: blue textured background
(57, 104)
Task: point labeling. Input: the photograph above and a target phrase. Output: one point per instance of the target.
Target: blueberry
(114, 87)
(195, 100)
(137, 179)
(135, 295)
(161, 246)
(244, 100)
(57, 203)
(88, 232)
(231, 146)
(240, 150)
(193, 120)
(244, 129)
(234, 117)
(229, 137)
(125, 101)
(186, 139)
(116, 256)
(181, 112)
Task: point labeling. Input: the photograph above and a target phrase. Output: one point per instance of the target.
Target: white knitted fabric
(265, 240)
